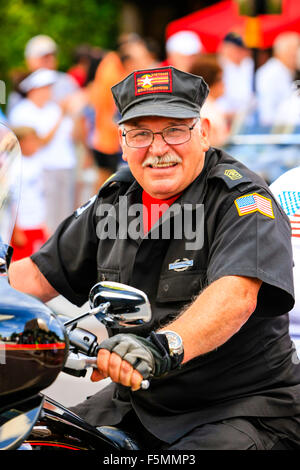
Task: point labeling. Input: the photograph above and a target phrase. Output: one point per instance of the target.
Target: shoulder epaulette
(123, 175)
(230, 174)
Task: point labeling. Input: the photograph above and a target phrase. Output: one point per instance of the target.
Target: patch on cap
(153, 81)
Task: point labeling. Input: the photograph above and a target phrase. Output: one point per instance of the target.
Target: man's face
(234, 53)
(179, 164)
(47, 61)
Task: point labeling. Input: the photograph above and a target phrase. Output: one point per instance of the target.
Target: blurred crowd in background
(66, 122)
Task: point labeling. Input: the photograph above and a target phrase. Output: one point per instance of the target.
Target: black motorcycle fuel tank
(33, 345)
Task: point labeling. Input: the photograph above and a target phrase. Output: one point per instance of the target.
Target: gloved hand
(149, 356)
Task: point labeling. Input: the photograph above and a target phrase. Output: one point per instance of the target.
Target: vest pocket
(177, 287)
(108, 274)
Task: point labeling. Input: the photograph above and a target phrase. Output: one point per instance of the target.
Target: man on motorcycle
(204, 237)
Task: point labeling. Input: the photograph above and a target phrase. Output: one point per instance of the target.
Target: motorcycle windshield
(10, 181)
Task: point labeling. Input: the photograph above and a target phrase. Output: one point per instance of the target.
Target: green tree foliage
(69, 22)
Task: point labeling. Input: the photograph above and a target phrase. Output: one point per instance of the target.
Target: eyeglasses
(172, 135)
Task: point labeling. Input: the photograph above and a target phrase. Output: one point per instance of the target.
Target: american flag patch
(153, 81)
(289, 201)
(254, 203)
(295, 225)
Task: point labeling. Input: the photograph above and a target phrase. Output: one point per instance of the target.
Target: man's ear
(205, 132)
(121, 142)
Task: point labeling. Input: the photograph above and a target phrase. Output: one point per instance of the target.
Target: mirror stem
(102, 308)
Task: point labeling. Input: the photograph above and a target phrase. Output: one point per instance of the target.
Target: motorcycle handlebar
(80, 362)
(86, 344)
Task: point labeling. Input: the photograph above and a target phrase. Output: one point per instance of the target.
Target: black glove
(149, 356)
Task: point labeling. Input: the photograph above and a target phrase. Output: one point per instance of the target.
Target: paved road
(69, 390)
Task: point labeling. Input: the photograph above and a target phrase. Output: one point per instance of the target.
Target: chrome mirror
(124, 305)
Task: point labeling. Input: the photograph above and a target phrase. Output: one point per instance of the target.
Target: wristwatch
(175, 344)
(170, 347)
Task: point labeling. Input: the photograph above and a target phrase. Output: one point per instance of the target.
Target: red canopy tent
(214, 22)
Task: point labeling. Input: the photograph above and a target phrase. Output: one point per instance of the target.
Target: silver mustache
(153, 161)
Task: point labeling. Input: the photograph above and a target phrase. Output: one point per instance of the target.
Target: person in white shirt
(41, 52)
(211, 71)
(58, 152)
(30, 231)
(238, 76)
(286, 189)
(274, 79)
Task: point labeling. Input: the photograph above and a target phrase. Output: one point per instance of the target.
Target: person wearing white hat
(57, 154)
(37, 80)
(41, 47)
(41, 52)
(182, 49)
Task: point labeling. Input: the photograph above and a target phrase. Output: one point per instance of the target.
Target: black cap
(234, 38)
(164, 91)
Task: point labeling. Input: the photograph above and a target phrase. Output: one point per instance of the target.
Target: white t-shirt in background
(59, 153)
(273, 85)
(32, 209)
(238, 83)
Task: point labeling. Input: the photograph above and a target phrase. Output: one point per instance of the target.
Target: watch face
(175, 342)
